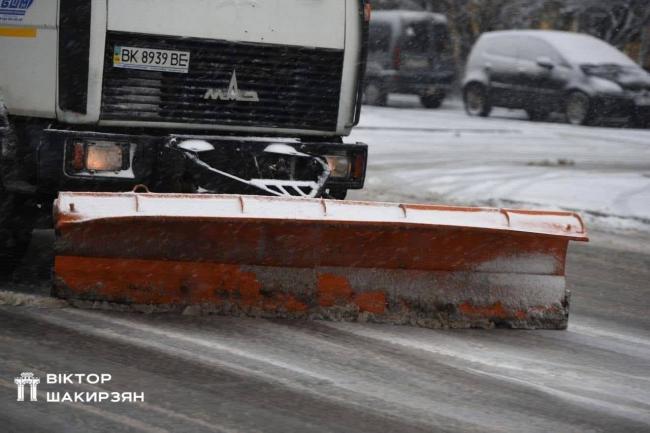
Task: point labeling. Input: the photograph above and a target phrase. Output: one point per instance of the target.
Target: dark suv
(409, 52)
(549, 71)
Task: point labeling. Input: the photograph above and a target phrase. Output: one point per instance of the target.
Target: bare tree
(616, 21)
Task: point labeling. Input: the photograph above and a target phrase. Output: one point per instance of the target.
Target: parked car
(409, 52)
(550, 71)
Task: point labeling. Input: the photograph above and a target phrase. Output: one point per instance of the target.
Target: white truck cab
(116, 63)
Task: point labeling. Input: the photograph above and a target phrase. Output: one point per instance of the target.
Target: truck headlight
(104, 157)
(97, 157)
(339, 165)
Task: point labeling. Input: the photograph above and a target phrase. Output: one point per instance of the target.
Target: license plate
(149, 59)
(642, 100)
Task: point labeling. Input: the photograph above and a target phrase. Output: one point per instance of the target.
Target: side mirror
(545, 62)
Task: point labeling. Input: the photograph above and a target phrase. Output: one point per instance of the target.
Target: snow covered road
(225, 374)
(505, 160)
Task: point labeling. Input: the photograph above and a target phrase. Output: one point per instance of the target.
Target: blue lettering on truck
(14, 10)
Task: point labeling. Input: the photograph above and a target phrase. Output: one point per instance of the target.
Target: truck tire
(15, 232)
(16, 218)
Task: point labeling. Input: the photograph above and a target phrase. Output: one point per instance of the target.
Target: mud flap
(429, 266)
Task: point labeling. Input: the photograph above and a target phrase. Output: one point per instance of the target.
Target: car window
(582, 49)
(531, 49)
(501, 46)
(416, 38)
(379, 38)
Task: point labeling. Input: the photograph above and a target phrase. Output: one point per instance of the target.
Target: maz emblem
(233, 93)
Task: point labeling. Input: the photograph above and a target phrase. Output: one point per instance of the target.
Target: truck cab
(95, 90)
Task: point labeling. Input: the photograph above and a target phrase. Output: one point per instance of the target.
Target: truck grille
(298, 87)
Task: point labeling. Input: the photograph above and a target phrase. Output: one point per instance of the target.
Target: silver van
(409, 52)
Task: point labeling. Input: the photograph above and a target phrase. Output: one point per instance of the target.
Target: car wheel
(432, 101)
(537, 115)
(373, 94)
(640, 121)
(578, 109)
(476, 101)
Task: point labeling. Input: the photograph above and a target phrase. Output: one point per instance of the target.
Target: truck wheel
(578, 109)
(16, 219)
(15, 232)
(476, 100)
(432, 101)
(373, 94)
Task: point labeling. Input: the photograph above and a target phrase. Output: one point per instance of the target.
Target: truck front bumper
(103, 161)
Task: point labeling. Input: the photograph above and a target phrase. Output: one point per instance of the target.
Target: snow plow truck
(191, 155)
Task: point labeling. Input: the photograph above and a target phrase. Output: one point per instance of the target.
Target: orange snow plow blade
(430, 266)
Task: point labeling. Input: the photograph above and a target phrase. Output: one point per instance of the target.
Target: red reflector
(78, 156)
(358, 167)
